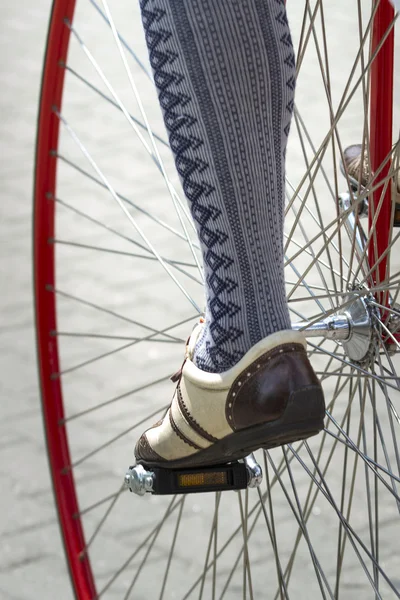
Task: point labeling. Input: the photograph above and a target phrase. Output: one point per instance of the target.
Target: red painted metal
(381, 123)
(45, 300)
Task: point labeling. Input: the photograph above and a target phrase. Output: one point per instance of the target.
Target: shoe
(358, 172)
(352, 165)
(269, 398)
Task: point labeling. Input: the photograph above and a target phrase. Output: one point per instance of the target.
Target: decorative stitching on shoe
(181, 435)
(191, 421)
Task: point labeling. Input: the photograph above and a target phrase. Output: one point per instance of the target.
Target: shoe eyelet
(234, 394)
(230, 404)
(239, 383)
(248, 374)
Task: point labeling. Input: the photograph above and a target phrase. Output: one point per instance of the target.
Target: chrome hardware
(254, 471)
(358, 346)
(336, 327)
(353, 328)
(139, 481)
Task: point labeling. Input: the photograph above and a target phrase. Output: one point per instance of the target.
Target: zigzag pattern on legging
(199, 194)
(290, 61)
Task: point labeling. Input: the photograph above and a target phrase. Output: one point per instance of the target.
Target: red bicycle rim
(45, 300)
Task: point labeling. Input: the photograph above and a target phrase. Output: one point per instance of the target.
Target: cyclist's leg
(225, 73)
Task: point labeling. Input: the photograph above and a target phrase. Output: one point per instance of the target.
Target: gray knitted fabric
(225, 75)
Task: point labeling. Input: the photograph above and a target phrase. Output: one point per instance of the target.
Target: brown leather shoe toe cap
(144, 452)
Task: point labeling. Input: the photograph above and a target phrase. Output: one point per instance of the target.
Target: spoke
(354, 366)
(347, 97)
(342, 537)
(126, 45)
(246, 561)
(371, 234)
(358, 451)
(304, 39)
(385, 308)
(336, 373)
(310, 501)
(171, 552)
(318, 261)
(351, 534)
(215, 550)
(110, 101)
(103, 336)
(103, 520)
(112, 440)
(297, 215)
(332, 244)
(272, 534)
(374, 539)
(160, 222)
(153, 142)
(175, 197)
(313, 296)
(389, 333)
(110, 353)
(343, 532)
(173, 505)
(114, 400)
(257, 509)
(387, 181)
(327, 87)
(299, 518)
(235, 533)
(88, 509)
(393, 370)
(173, 263)
(130, 218)
(365, 458)
(365, 145)
(119, 316)
(213, 537)
(311, 287)
(378, 428)
(354, 294)
(100, 224)
(300, 225)
(337, 220)
(347, 528)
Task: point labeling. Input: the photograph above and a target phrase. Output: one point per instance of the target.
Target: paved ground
(31, 557)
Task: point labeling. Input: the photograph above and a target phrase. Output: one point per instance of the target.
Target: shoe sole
(302, 418)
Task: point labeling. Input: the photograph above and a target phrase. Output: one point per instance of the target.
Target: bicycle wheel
(118, 284)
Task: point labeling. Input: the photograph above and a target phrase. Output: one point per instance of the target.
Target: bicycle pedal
(236, 475)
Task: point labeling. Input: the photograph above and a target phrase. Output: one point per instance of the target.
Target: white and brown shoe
(356, 167)
(269, 398)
